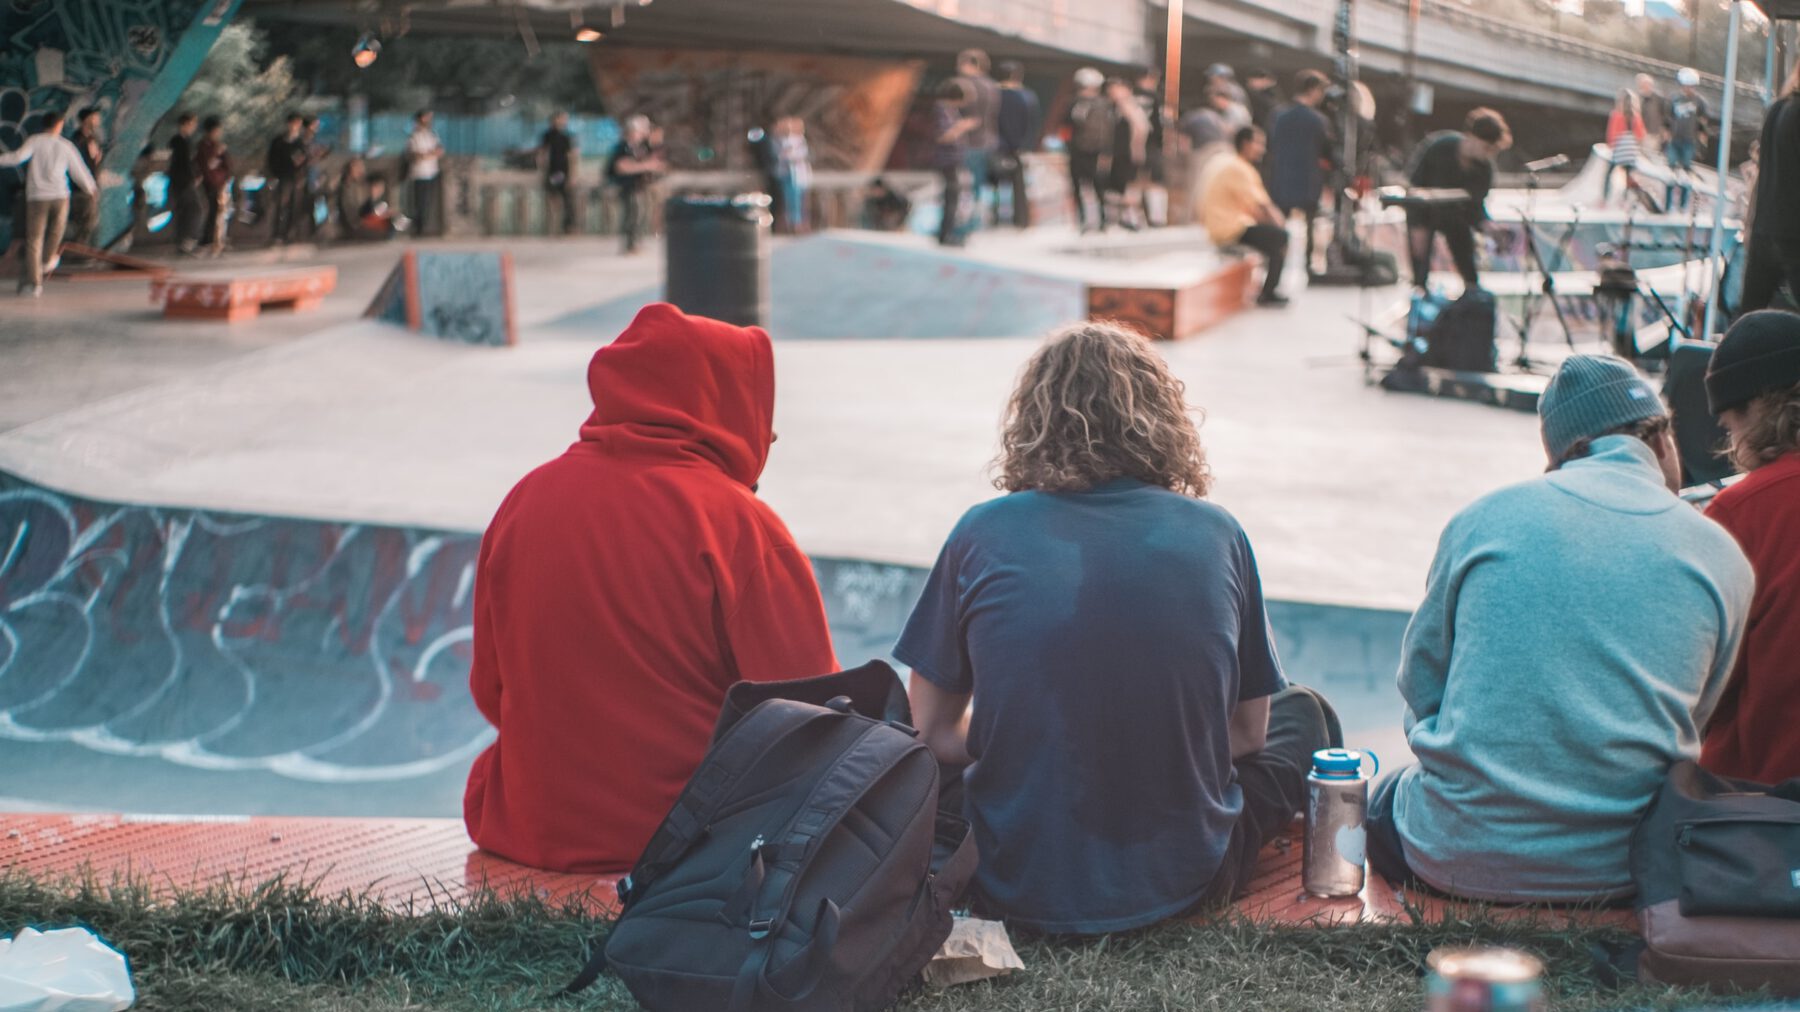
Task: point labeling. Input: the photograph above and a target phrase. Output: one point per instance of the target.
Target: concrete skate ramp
(829, 286)
(178, 660)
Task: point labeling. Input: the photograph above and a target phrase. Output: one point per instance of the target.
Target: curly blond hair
(1094, 404)
(1772, 429)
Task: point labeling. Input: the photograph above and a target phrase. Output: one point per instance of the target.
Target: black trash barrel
(718, 257)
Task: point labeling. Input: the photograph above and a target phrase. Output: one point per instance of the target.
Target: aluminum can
(1484, 980)
(1336, 843)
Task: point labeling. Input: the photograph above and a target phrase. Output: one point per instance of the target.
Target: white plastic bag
(66, 970)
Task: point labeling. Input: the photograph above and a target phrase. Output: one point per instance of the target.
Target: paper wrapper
(975, 950)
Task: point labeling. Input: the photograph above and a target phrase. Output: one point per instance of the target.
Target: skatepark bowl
(158, 660)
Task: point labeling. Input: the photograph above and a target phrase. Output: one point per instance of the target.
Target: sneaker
(53, 263)
(32, 292)
(1272, 301)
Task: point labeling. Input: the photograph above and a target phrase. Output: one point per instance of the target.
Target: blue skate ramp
(184, 661)
(828, 286)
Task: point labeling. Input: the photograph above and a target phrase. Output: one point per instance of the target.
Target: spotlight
(366, 52)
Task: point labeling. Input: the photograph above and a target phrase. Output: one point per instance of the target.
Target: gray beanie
(1591, 395)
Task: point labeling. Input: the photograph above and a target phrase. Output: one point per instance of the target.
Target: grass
(283, 946)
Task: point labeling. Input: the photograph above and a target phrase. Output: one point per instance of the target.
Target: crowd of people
(1646, 124)
(1580, 632)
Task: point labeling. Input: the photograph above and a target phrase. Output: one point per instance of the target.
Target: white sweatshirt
(51, 162)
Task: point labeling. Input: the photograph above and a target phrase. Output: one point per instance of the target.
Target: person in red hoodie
(622, 587)
(1753, 385)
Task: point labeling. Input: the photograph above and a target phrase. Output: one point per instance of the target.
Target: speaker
(1698, 435)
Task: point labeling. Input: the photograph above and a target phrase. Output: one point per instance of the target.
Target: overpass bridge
(133, 58)
(1461, 51)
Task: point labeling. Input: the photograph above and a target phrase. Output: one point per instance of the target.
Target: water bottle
(1337, 803)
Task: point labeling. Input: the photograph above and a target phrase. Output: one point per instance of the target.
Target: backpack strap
(775, 867)
(732, 756)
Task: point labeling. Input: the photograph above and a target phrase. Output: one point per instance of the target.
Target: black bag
(1717, 867)
(1462, 337)
(805, 866)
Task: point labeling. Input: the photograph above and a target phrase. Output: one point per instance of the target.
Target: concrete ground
(1342, 487)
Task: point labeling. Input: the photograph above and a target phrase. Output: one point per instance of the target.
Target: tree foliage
(244, 85)
(446, 72)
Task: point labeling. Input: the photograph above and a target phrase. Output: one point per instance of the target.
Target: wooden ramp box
(1174, 312)
(241, 295)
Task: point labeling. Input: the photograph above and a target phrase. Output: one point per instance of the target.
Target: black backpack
(805, 866)
(1462, 337)
(1717, 867)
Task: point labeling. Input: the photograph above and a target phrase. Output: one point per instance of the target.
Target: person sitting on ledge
(623, 587)
(1237, 210)
(1576, 632)
(1131, 746)
(1753, 384)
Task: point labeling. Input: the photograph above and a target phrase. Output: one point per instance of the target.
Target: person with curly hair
(1753, 385)
(1130, 746)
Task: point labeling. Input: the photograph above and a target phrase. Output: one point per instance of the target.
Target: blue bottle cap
(1337, 762)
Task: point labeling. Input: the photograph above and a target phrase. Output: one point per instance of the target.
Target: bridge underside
(850, 27)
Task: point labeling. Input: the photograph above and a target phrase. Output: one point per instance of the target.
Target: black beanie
(1760, 353)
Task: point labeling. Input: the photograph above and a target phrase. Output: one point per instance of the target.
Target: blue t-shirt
(1107, 637)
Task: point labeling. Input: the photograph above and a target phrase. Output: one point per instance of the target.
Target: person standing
(1091, 118)
(141, 169)
(1018, 135)
(793, 171)
(1687, 130)
(1092, 652)
(623, 587)
(1753, 386)
(1452, 160)
(284, 167)
(1131, 145)
(1264, 99)
(982, 138)
(1152, 181)
(951, 124)
(632, 167)
(423, 151)
(556, 156)
(1222, 80)
(762, 155)
(312, 185)
(1576, 632)
(1654, 109)
(53, 165)
(1774, 254)
(184, 185)
(1237, 211)
(1301, 154)
(1625, 135)
(84, 208)
(216, 175)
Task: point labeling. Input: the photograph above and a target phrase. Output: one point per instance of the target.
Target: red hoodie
(1755, 732)
(622, 587)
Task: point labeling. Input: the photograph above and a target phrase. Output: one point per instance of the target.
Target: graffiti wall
(707, 101)
(129, 58)
(320, 651)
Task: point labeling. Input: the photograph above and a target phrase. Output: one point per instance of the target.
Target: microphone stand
(1547, 285)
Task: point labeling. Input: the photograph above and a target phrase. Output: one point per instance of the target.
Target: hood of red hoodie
(685, 386)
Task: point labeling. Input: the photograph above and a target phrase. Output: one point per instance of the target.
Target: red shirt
(1755, 733)
(622, 587)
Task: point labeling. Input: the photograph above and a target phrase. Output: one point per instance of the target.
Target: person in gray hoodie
(1576, 634)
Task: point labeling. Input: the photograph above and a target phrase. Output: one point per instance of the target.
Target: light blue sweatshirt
(1576, 632)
